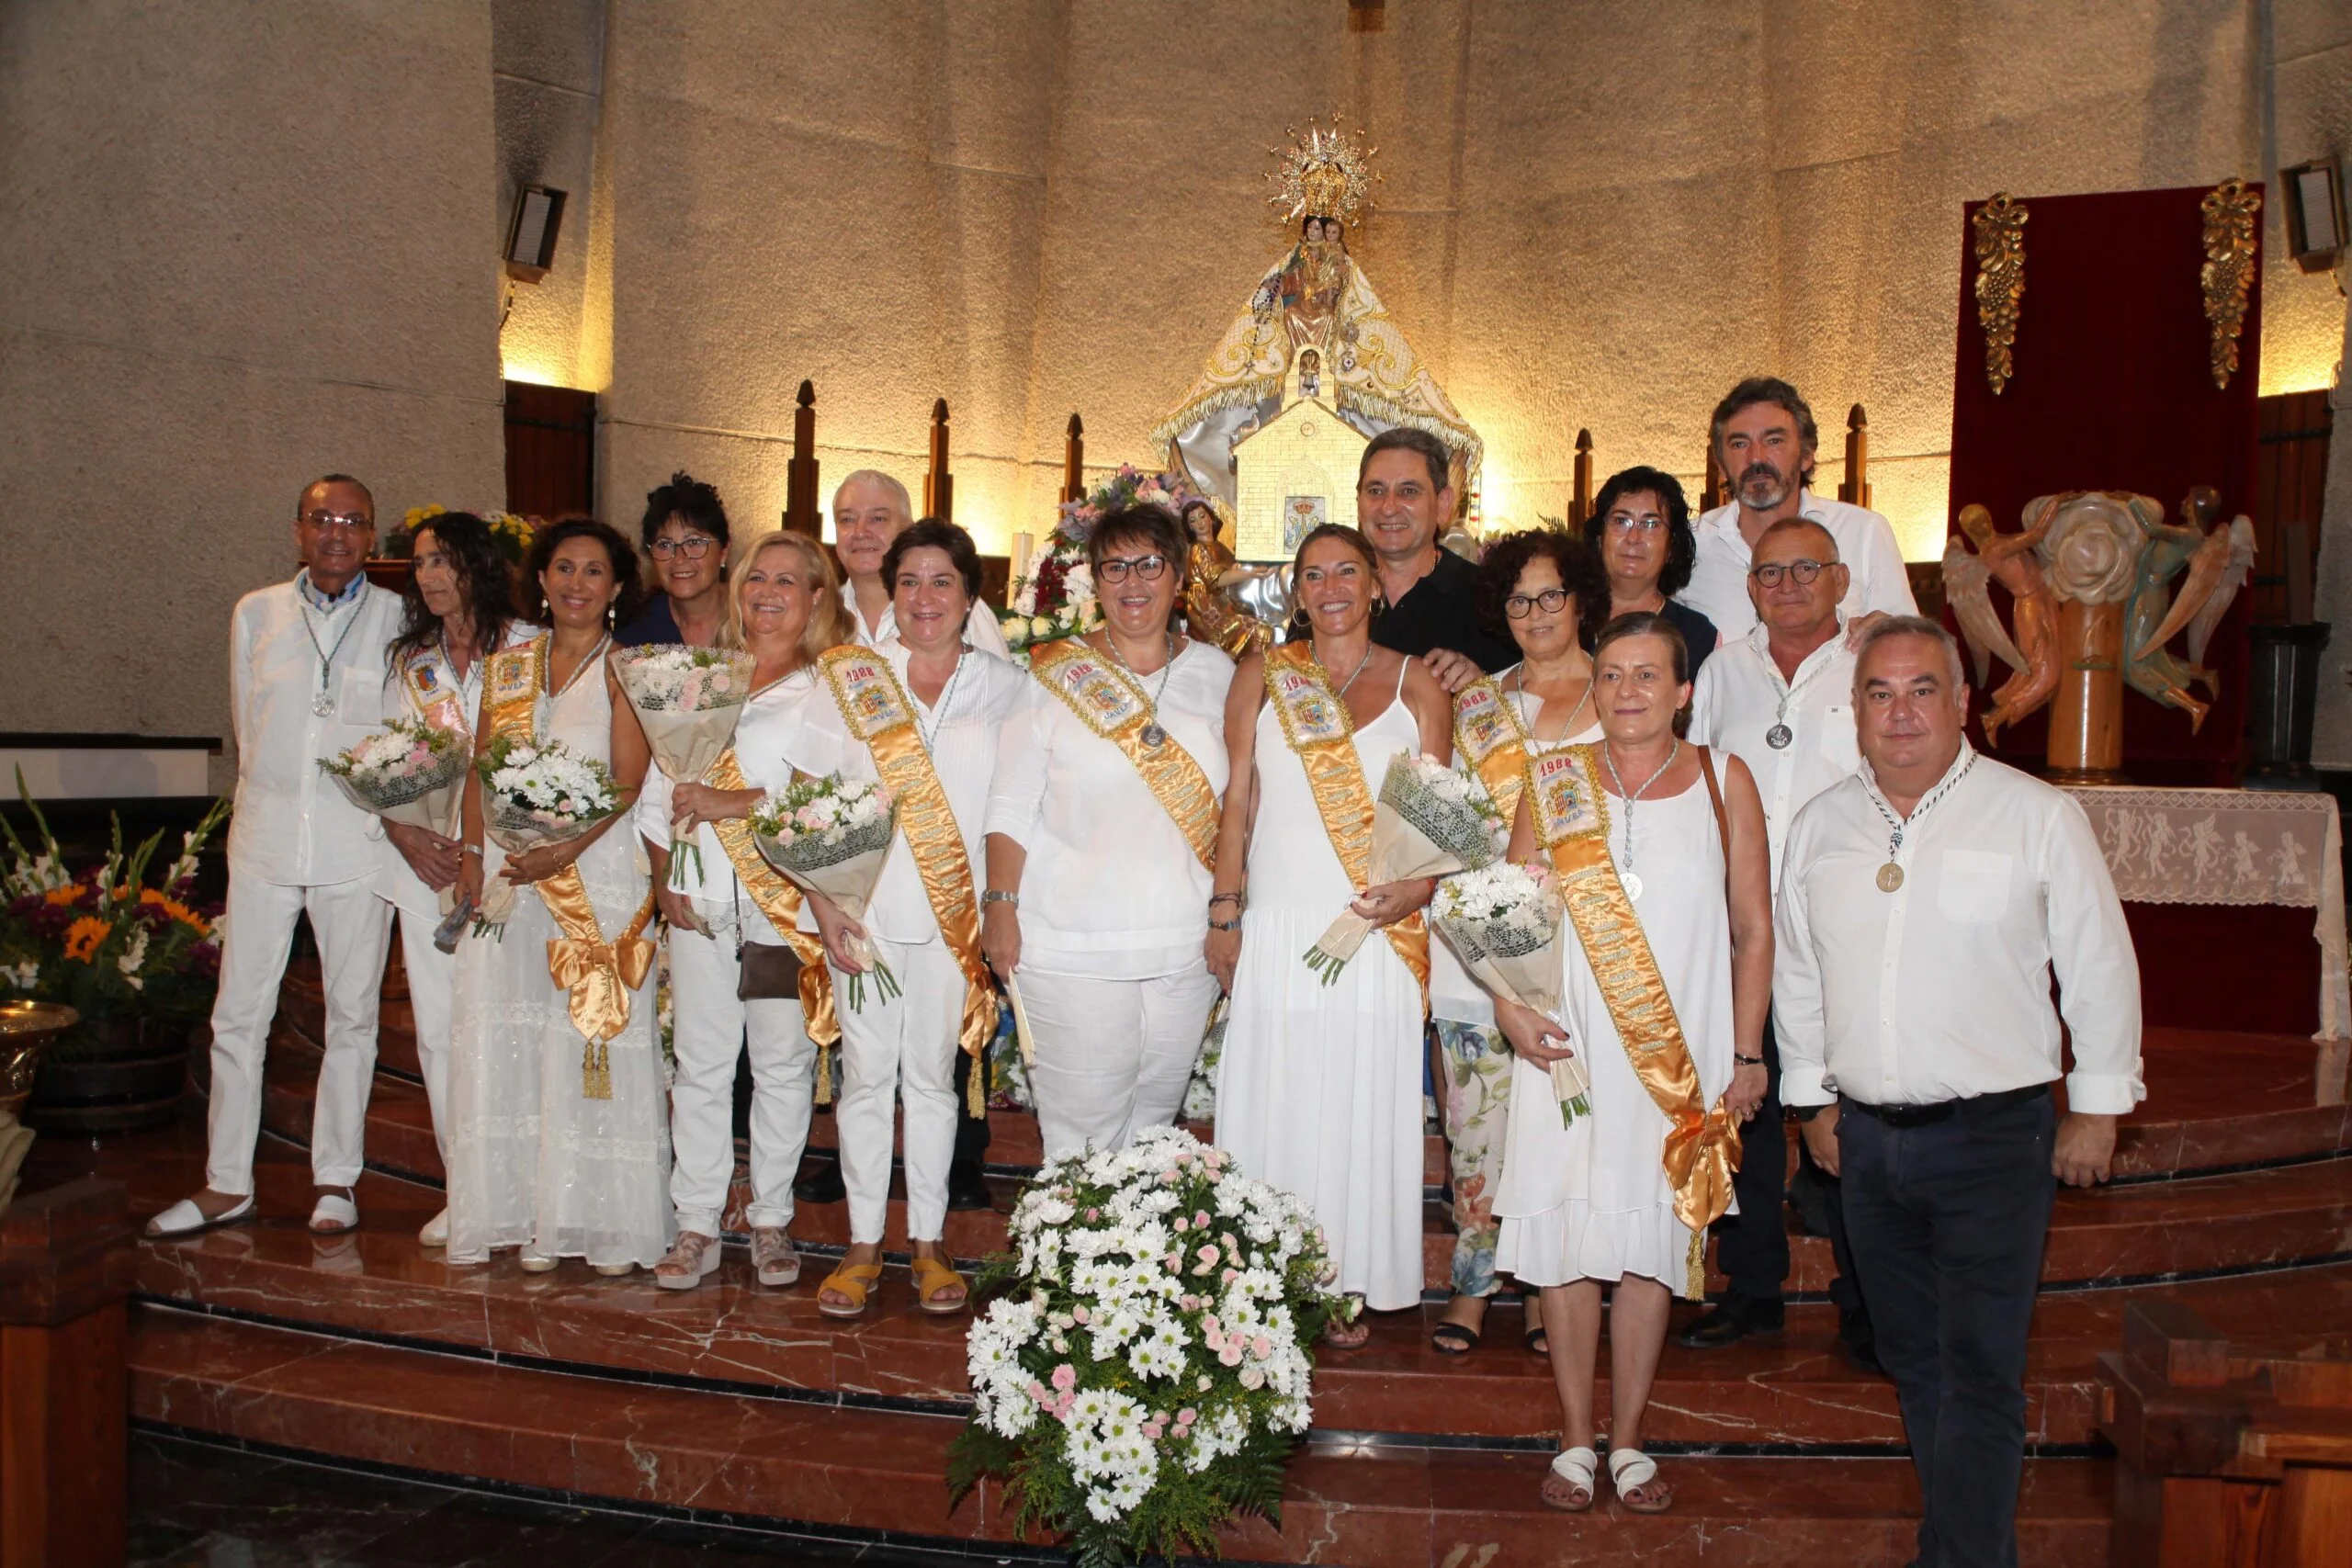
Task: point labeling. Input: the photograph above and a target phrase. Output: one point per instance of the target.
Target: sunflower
(176, 909)
(69, 894)
(83, 937)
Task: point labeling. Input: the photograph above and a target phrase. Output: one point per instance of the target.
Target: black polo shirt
(1440, 612)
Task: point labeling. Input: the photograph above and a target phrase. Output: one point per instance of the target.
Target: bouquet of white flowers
(687, 699)
(830, 836)
(536, 793)
(1430, 821)
(1147, 1366)
(408, 774)
(1505, 921)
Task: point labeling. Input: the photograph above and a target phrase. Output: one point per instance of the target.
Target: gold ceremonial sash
(1487, 733)
(1315, 722)
(1571, 818)
(431, 692)
(779, 900)
(880, 714)
(598, 974)
(1110, 703)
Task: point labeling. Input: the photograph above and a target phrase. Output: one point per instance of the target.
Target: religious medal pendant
(1778, 737)
(322, 705)
(1890, 877)
(1633, 886)
(1153, 736)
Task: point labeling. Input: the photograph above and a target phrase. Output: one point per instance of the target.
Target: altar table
(2233, 847)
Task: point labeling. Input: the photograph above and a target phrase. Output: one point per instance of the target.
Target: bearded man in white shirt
(307, 680)
(1781, 700)
(871, 509)
(1765, 437)
(1925, 903)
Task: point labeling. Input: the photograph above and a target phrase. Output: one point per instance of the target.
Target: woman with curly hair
(459, 611)
(1546, 590)
(1641, 527)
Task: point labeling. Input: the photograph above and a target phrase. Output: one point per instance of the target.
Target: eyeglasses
(1770, 574)
(349, 522)
(694, 546)
(1626, 523)
(1114, 569)
(1518, 606)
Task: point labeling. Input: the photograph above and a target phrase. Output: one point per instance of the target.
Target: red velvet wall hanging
(2112, 389)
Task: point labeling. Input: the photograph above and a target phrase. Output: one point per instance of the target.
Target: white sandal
(436, 1231)
(774, 1260)
(1571, 1472)
(334, 1214)
(692, 1258)
(1632, 1469)
(184, 1218)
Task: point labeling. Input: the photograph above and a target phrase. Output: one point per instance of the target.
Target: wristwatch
(1746, 1061)
(999, 896)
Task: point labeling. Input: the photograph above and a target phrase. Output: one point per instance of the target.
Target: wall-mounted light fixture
(530, 237)
(2315, 230)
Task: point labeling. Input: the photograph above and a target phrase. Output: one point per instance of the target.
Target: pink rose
(1207, 1255)
(1183, 1224)
(1187, 1416)
(1079, 1312)
(1262, 1347)
(1065, 1377)
(1230, 1355)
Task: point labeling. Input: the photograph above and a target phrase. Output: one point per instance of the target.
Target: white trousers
(902, 1049)
(710, 1026)
(432, 993)
(1112, 1056)
(354, 929)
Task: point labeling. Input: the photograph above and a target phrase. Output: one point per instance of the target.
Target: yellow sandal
(931, 1275)
(855, 1280)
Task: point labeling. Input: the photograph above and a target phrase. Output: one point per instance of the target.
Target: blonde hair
(827, 619)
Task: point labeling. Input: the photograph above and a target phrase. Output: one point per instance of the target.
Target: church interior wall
(273, 230)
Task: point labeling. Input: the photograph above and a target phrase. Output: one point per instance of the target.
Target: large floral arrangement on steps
(1054, 596)
(1145, 1367)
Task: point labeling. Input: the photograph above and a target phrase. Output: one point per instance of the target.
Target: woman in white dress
(1319, 1088)
(940, 702)
(1097, 881)
(1591, 1204)
(1539, 585)
(533, 1163)
(459, 612)
(785, 609)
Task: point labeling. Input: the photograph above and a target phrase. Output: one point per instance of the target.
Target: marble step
(1790, 1388)
(1371, 1506)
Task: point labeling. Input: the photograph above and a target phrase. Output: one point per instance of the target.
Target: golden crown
(1327, 173)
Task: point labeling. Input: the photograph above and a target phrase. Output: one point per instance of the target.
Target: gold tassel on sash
(1571, 817)
(779, 899)
(1110, 702)
(1315, 722)
(879, 713)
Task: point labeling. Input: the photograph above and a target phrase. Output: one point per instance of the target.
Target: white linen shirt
(396, 881)
(1112, 890)
(1737, 702)
(979, 626)
(1718, 585)
(293, 826)
(767, 736)
(1941, 989)
(963, 753)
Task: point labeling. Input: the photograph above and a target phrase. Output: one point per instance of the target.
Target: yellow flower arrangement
(82, 938)
(177, 911)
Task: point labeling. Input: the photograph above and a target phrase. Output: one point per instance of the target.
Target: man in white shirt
(1764, 438)
(307, 680)
(1781, 700)
(1925, 903)
(871, 509)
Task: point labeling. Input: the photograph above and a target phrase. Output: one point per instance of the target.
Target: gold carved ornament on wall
(2000, 283)
(2232, 214)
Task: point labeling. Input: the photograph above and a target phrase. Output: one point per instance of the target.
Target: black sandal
(1451, 1339)
(1538, 1343)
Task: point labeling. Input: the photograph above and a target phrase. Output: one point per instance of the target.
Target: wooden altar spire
(800, 473)
(938, 485)
(1074, 462)
(1583, 503)
(1854, 488)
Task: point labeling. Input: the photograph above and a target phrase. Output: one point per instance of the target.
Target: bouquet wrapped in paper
(409, 773)
(688, 700)
(832, 836)
(534, 794)
(1429, 821)
(1505, 921)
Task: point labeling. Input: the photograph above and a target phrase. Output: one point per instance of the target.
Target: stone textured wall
(243, 245)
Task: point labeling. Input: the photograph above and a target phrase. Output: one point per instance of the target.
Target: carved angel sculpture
(2217, 569)
(2033, 653)
(2149, 619)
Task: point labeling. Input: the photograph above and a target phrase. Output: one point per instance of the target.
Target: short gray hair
(1798, 524)
(877, 477)
(1910, 626)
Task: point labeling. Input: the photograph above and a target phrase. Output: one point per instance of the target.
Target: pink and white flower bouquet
(408, 774)
(831, 835)
(687, 699)
(1506, 920)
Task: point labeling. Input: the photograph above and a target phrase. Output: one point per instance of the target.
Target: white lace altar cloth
(2232, 846)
